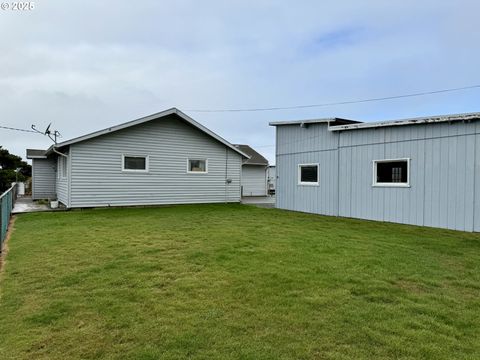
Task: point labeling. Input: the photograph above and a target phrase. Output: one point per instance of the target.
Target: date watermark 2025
(17, 6)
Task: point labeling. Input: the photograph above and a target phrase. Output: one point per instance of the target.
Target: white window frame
(147, 163)
(63, 167)
(380, 184)
(303, 183)
(197, 159)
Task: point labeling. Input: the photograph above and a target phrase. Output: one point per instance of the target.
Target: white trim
(147, 163)
(64, 168)
(299, 175)
(399, 184)
(197, 159)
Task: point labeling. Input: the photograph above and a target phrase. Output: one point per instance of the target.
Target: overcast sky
(86, 65)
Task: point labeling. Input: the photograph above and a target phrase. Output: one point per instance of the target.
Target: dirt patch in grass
(5, 242)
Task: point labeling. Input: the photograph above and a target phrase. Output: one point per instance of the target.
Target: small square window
(308, 174)
(135, 163)
(197, 166)
(391, 172)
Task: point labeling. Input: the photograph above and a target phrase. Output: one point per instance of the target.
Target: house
(254, 172)
(164, 158)
(421, 171)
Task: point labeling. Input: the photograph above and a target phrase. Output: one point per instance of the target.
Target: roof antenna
(48, 133)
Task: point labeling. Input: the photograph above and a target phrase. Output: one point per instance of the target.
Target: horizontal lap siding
(98, 179)
(43, 174)
(62, 183)
(254, 180)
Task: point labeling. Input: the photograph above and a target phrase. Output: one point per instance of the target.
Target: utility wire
(15, 129)
(339, 102)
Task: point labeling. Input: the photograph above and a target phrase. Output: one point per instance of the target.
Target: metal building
(165, 158)
(421, 171)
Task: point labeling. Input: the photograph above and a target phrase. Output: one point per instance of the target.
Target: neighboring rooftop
(255, 157)
(36, 154)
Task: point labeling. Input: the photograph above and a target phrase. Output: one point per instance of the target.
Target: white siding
(43, 179)
(254, 180)
(97, 178)
(61, 180)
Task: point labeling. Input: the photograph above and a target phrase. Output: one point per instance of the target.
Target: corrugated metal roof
(36, 154)
(332, 120)
(411, 121)
(255, 157)
(145, 119)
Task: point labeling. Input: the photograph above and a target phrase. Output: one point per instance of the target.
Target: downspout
(59, 153)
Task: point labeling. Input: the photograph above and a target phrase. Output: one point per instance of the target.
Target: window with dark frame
(138, 163)
(308, 174)
(197, 165)
(392, 172)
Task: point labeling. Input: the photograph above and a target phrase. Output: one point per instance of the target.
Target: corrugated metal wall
(444, 191)
(43, 179)
(96, 167)
(254, 180)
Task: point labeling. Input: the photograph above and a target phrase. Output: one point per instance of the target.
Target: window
(308, 174)
(63, 166)
(197, 166)
(135, 163)
(395, 172)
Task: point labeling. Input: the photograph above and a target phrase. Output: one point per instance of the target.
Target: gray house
(164, 158)
(254, 172)
(422, 171)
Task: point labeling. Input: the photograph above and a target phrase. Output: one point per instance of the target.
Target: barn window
(392, 172)
(308, 174)
(135, 163)
(197, 166)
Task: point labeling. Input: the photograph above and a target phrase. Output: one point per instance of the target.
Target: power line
(16, 129)
(339, 102)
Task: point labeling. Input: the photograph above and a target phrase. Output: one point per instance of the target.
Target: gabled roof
(36, 154)
(411, 121)
(145, 119)
(255, 157)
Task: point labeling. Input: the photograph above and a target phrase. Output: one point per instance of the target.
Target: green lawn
(236, 282)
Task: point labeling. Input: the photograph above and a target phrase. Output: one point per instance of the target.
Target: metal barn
(421, 171)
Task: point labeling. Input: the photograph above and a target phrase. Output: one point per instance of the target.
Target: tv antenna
(52, 134)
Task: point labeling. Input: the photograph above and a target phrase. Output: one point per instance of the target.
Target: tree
(9, 163)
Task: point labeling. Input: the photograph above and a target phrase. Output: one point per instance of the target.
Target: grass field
(236, 282)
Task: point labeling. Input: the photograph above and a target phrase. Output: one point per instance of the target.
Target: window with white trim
(135, 163)
(199, 166)
(391, 172)
(308, 174)
(63, 166)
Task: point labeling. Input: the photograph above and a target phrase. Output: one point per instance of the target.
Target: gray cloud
(87, 65)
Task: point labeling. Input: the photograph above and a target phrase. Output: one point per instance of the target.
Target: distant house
(422, 171)
(254, 172)
(164, 158)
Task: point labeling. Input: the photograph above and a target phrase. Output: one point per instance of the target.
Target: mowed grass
(236, 282)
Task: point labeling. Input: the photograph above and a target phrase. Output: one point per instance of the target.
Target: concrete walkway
(26, 204)
(261, 201)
